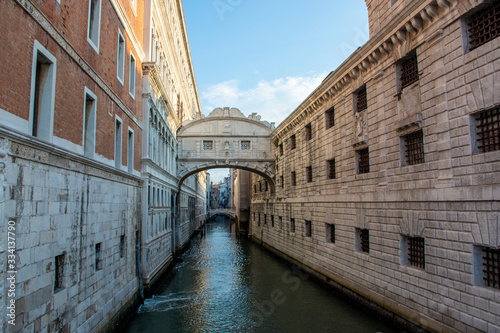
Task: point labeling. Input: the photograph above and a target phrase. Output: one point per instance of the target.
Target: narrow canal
(225, 284)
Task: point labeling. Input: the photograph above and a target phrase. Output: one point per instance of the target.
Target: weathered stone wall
(450, 199)
(65, 205)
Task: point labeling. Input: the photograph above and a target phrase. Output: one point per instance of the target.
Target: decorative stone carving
(410, 224)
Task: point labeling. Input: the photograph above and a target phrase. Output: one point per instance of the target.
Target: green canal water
(229, 284)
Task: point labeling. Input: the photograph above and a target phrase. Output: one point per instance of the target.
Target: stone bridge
(226, 139)
(227, 212)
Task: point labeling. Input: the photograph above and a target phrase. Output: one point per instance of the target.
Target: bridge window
(292, 225)
(245, 145)
(208, 145)
(293, 142)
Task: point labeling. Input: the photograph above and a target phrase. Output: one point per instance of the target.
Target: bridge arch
(226, 139)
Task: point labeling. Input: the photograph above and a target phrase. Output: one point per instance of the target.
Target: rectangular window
(122, 246)
(131, 87)
(309, 174)
(416, 251)
(293, 178)
(254, 188)
(120, 70)
(94, 28)
(59, 272)
(118, 143)
(487, 130)
(408, 70)
(260, 186)
(330, 233)
(308, 228)
(487, 266)
(265, 219)
(361, 100)
(308, 130)
(363, 161)
(98, 257)
(293, 142)
(292, 225)
(484, 26)
(281, 149)
(362, 240)
(259, 220)
(330, 166)
(89, 124)
(280, 222)
(272, 221)
(414, 148)
(330, 118)
(282, 181)
(43, 85)
(208, 145)
(245, 145)
(130, 151)
(267, 186)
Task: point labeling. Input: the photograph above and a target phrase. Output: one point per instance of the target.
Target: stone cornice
(122, 15)
(51, 30)
(151, 69)
(410, 21)
(45, 147)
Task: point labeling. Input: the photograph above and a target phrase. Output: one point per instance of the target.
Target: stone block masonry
(91, 222)
(417, 236)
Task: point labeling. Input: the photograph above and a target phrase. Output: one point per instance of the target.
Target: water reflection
(225, 284)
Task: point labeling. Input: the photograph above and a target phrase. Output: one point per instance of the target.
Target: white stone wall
(63, 205)
(451, 200)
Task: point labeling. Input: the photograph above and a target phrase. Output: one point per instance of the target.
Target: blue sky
(268, 56)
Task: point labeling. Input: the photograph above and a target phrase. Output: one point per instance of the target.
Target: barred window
(308, 228)
(409, 71)
(416, 251)
(309, 174)
(308, 130)
(330, 233)
(330, 118)
(363, 240)
(331, 169)
(208, 145)
(488, 130)
(361, 101)
(293, 178)
(245, 145)
(293, 142)
(363, 161)
(281, 149)
(491, 267)
(484, 26)
(292, 225)
(414, 148)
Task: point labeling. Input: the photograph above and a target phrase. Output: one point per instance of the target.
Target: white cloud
(273, 100)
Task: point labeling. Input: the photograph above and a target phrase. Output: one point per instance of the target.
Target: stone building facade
(387, 175)
(88, 178)
(170, 97)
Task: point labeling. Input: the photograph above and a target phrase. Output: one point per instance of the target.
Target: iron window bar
(416, 252)
(484, 26)
(362, 103)
(409, 72)
(491, 267)
(488, 130)
(363, 161)
(364, 237)
(414, 143)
